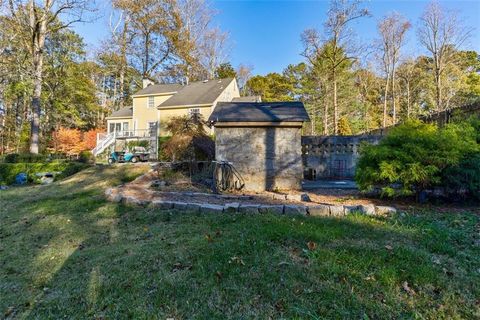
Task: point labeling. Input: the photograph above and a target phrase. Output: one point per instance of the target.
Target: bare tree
(392, 30)
(442, 33)
(244, 72)
(37, 20)
(339, 39)
(121, 36)
(154, 27)
(213, 50)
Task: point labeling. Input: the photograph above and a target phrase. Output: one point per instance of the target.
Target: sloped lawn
(66, 252)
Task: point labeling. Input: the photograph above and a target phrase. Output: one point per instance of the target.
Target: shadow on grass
(79, 256)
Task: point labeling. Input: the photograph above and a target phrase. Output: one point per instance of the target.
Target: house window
(151, 102)
(152, 128)
(194, 111)
(111, 128)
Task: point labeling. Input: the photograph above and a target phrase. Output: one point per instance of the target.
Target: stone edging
(114, 195)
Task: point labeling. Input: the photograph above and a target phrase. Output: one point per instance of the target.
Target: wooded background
(49, 83)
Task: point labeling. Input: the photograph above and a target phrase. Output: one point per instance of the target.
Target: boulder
(193, 207)
(133, 201)
(248, 208)
(231, 207)
(292, 209)
(319, 210)
(161, 204)
(383, 210)
(211, 208)
(302, 197)
(277, 209)
(180, 205)
(367, 209)
(337, 211)
(351, 209)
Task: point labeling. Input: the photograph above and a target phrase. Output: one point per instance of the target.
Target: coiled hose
(226, 177)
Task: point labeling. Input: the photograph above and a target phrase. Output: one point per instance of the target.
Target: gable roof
(159, 89)
(259, 112)
(248, 99)
(126, 112)
(198, 93)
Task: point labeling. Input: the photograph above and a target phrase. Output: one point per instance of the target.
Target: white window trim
(152, 104)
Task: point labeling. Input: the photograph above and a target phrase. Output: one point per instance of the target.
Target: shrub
(85, 157)
(412, 156)
(463, 179)
(24, 157)
(189, 139)
(8, 171)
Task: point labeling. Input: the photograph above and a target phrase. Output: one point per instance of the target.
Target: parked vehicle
(138, 154)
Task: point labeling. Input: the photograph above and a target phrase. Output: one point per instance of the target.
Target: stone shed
(263, 142)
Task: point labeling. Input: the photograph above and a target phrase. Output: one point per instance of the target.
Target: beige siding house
(156, 104)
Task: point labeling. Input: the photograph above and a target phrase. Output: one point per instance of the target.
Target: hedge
(8, 171)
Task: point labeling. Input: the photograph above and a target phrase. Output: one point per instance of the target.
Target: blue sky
(266, 34)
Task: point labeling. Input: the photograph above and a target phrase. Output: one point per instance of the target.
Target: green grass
(66, 252)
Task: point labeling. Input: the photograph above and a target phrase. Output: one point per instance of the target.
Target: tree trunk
(37, 92)
(394, 106)
(123, 63)
(335, 105)
(38, 42)
(385, 95)
(408, 100)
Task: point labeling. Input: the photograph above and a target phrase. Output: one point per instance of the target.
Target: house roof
(248, 99)
(126, 112)
(259, 112)
(159, 89)
(198, 93)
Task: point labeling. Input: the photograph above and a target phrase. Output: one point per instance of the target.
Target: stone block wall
(332, 156)
(268, 158)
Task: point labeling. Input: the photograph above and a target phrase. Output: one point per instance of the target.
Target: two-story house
(156, 104)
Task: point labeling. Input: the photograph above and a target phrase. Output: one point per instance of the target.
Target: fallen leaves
(311, 245)
(236, 260)
(407, 289)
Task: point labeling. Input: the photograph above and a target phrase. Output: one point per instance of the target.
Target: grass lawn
(66, 252)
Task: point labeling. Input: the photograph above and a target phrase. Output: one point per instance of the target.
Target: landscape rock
(292, 209)
(383, 210)
(113, 195)
(367, 209)
(161, 204)
(193, 207)
(279, 196)
(248, 208)
(211, 208)
(231, 207)
(302, 197)
(320, 210)
(180, 205)
(337, 211)
(277, 209)
(158, 184)
(351, 209)
(133, 201)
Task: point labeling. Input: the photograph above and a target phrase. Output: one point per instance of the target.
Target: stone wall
(268, 158)
(332, 156)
